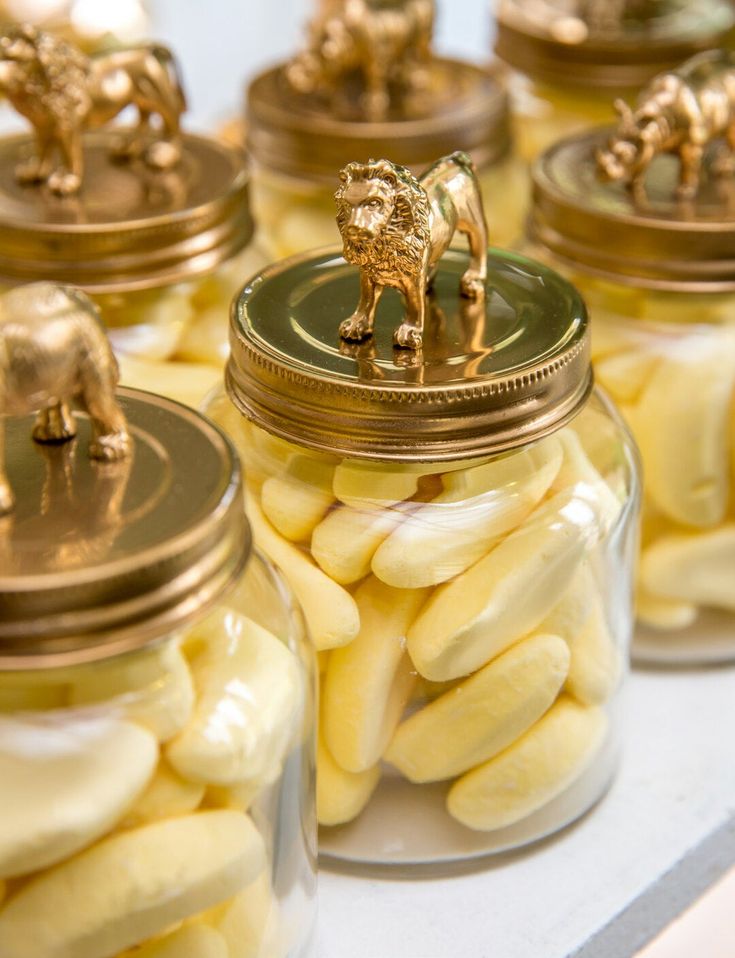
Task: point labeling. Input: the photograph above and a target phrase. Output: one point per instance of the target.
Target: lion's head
(383, 216)
(38, 70)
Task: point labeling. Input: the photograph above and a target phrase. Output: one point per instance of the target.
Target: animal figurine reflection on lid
(53, 350)
(63, 92)
(682, 111)
(395, 228)
(385, 42)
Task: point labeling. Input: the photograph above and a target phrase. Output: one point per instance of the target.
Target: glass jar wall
(471, 608)
(566, 69)
(663, 346)
(156, 706)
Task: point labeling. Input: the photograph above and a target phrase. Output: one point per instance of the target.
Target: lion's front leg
(360, 325)
(68, 178)
(410, 334)
(38, 167)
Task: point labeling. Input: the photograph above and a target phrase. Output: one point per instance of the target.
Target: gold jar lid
(129, 226)
(659, 241)
(493, 373)
(98, 558)
(620, 44)
(309, 136)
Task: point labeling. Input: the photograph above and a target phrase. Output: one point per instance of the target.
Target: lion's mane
(57, 75)
(401, 245)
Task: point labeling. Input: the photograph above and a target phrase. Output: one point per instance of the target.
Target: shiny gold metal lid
(98, 558)
(129, 226)
(658, 241)
(493, 373)
(309, 136)
(616, 43)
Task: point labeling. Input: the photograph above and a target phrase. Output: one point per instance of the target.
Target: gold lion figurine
(63, 92)
(53, 349)
(396, 227)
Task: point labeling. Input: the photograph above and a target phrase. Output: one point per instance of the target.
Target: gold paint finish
(493, 373)
(681, 112)
(387, 45)
(395, 228)
(308, 136)
(129, 226)
(99, 558)
(63, 92)
(609, 43)
(53, 349)
(658, 240)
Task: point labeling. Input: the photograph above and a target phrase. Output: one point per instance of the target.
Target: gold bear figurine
(396, 227)
(63, 92)
(682, 111)
(384, 42)
(53, 349)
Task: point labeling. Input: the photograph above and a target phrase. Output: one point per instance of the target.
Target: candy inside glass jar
(332, 102)
(567, 66)
(457, 523)
(153, 222)
(155, 704)
(657, 278)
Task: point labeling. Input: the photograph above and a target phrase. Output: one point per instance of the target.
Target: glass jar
(296, 139)
(566, 69)
(656, 273)
(161, 251)
(156, 705)
(458, 526)
(94, 26)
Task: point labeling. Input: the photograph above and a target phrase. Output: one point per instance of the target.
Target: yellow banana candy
(626, 374)
(470, 620)
(442, 538)
(698, 568)
(294, 503)
(152, 687)
(578, 474)
(187, 383)
(30, 697)
(368, 683)
(666, 614)
(330, 611)
(190, 941)
(238, 733)
(482, 715)
(363, 484)
(682, 426)
(131, 887)
(532, 771)
(579, 618)
(340, 795)
(345, 541)
(65, 785)
(247, 919)
(166, 796)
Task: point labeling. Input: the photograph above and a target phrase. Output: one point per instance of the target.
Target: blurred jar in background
(648, 240)
(367, 84)
(569, 60)
(93, 24)
(152, 221)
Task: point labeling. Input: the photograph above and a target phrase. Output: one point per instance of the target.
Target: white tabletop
(602, 888)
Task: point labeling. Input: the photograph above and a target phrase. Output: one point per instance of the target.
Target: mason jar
(297, 140)
(656, 272)
(458, 525)
(156, 706)
(566, 69)
(162, 252)
(92, 25)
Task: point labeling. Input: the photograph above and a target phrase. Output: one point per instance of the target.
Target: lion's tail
(171, 66)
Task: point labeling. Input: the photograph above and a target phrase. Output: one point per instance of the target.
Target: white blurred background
(223, 42)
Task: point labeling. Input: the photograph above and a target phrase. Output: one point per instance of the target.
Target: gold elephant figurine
(63, 92)
(396, 227)
(53, 350)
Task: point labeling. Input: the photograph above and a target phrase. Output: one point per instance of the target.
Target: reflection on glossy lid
(100, 557)
(493, 373)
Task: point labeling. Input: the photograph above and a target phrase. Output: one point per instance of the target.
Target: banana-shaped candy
(340, 795)
(697, 567)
